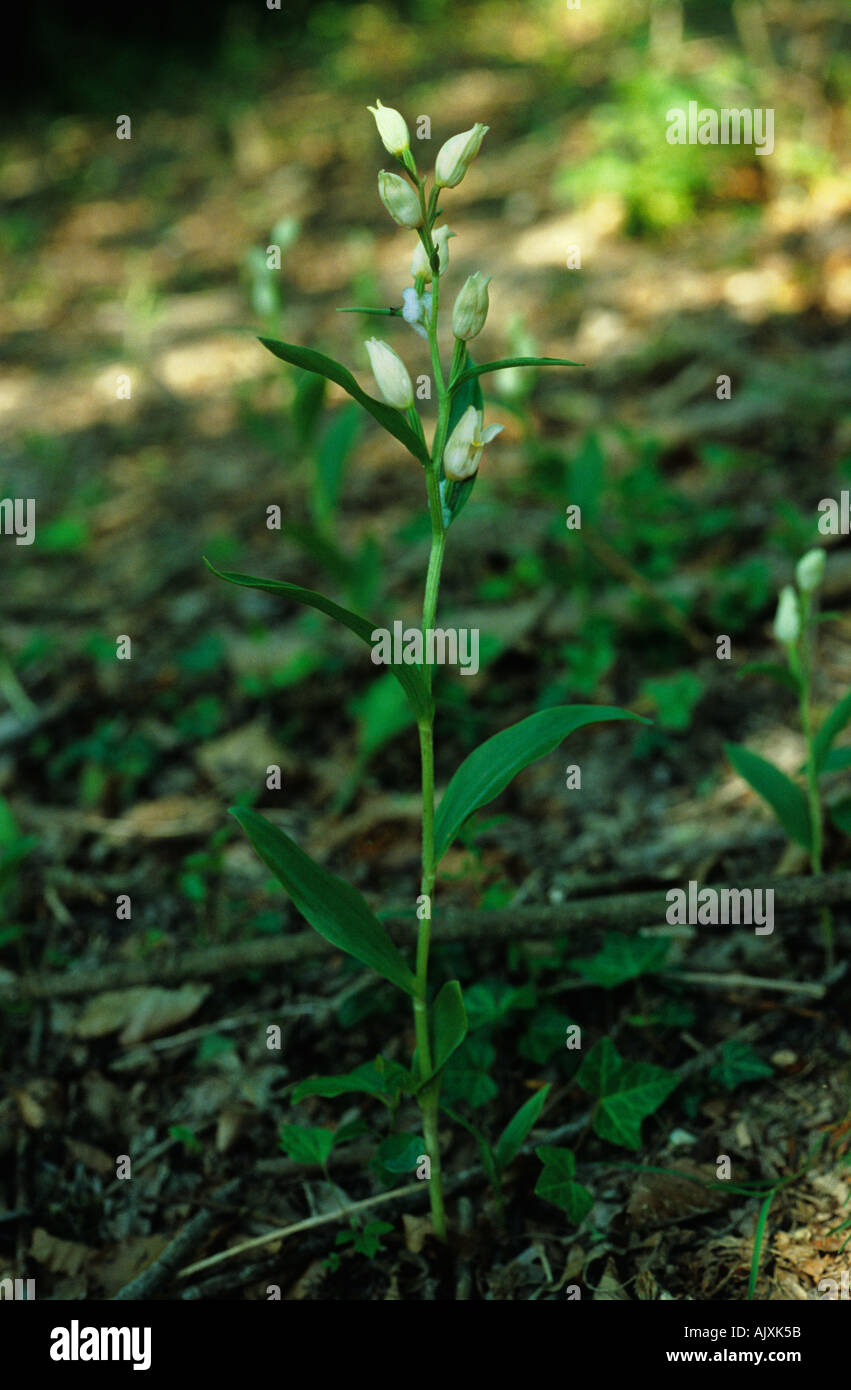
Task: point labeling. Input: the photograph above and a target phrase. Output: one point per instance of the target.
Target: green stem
(805, 673)
(430, 1095)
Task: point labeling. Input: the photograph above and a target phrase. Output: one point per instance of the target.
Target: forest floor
(115, 777)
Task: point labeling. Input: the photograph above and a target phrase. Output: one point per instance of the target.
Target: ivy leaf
(622, 958)
(398, 1153)
(332, 907)
(466, 1074)
(307, 1145)
(627, 1092)
(490, 767)
(488, 1002)
(545, 1036)
(409, 677)
(556, 1183)
(392, 420)
(737, 1063)
(785, 798)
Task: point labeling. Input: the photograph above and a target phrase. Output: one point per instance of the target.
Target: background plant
(800, 810)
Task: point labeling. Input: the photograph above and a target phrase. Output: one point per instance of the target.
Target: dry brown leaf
(59, 1256)
(657, 1199)
(118, 1265)
(169, 818)
(140, 1013)
(416, 1230)
(93, 1158)
(31, 1111)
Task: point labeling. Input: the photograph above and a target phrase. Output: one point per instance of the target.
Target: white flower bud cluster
(793, 607)
(405, 200)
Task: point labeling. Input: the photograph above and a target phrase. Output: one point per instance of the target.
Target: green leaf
(309, 399)
(832, 727)
(312, 361)
(837, 759)
(489, 1002)
(449, 1024)
(398, 1153)
(332, 907)
(772, 669)
(786, 800)
(675, 698)
(306, 1145)
(626, 1092)
(382, 713)
(545, 1036)
(466, 1075)
(840, 815)
(478, 370)
(737, 1063)
(622, 958)
(380, 1078)
(556, 1183)
(514, 1135)
(489, 769)
(331, 453)
(409, 677)
(454, 496)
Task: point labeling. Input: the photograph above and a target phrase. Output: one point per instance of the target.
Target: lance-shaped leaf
(479, 369)
(830, 730)
(626, 1092)
(409, 677)
(514, 1135)
(380, 1078)
(312, 361)
(489, 769)
(784, 796)
(449, 1024)
(332, 907)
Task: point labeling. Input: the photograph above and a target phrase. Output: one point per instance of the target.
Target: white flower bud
(400, 200)
(391, 374)
(465, 444)
(419, 260)
(471, 307)
(391, 128)
(787, 623)
(455, 157)
(809, 571)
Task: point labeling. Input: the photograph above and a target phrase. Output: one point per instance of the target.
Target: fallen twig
(625, 911)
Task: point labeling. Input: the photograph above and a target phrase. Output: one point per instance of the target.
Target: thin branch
(621, 912)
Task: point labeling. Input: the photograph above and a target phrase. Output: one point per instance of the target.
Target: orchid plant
(801, 810)
(450, 464)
